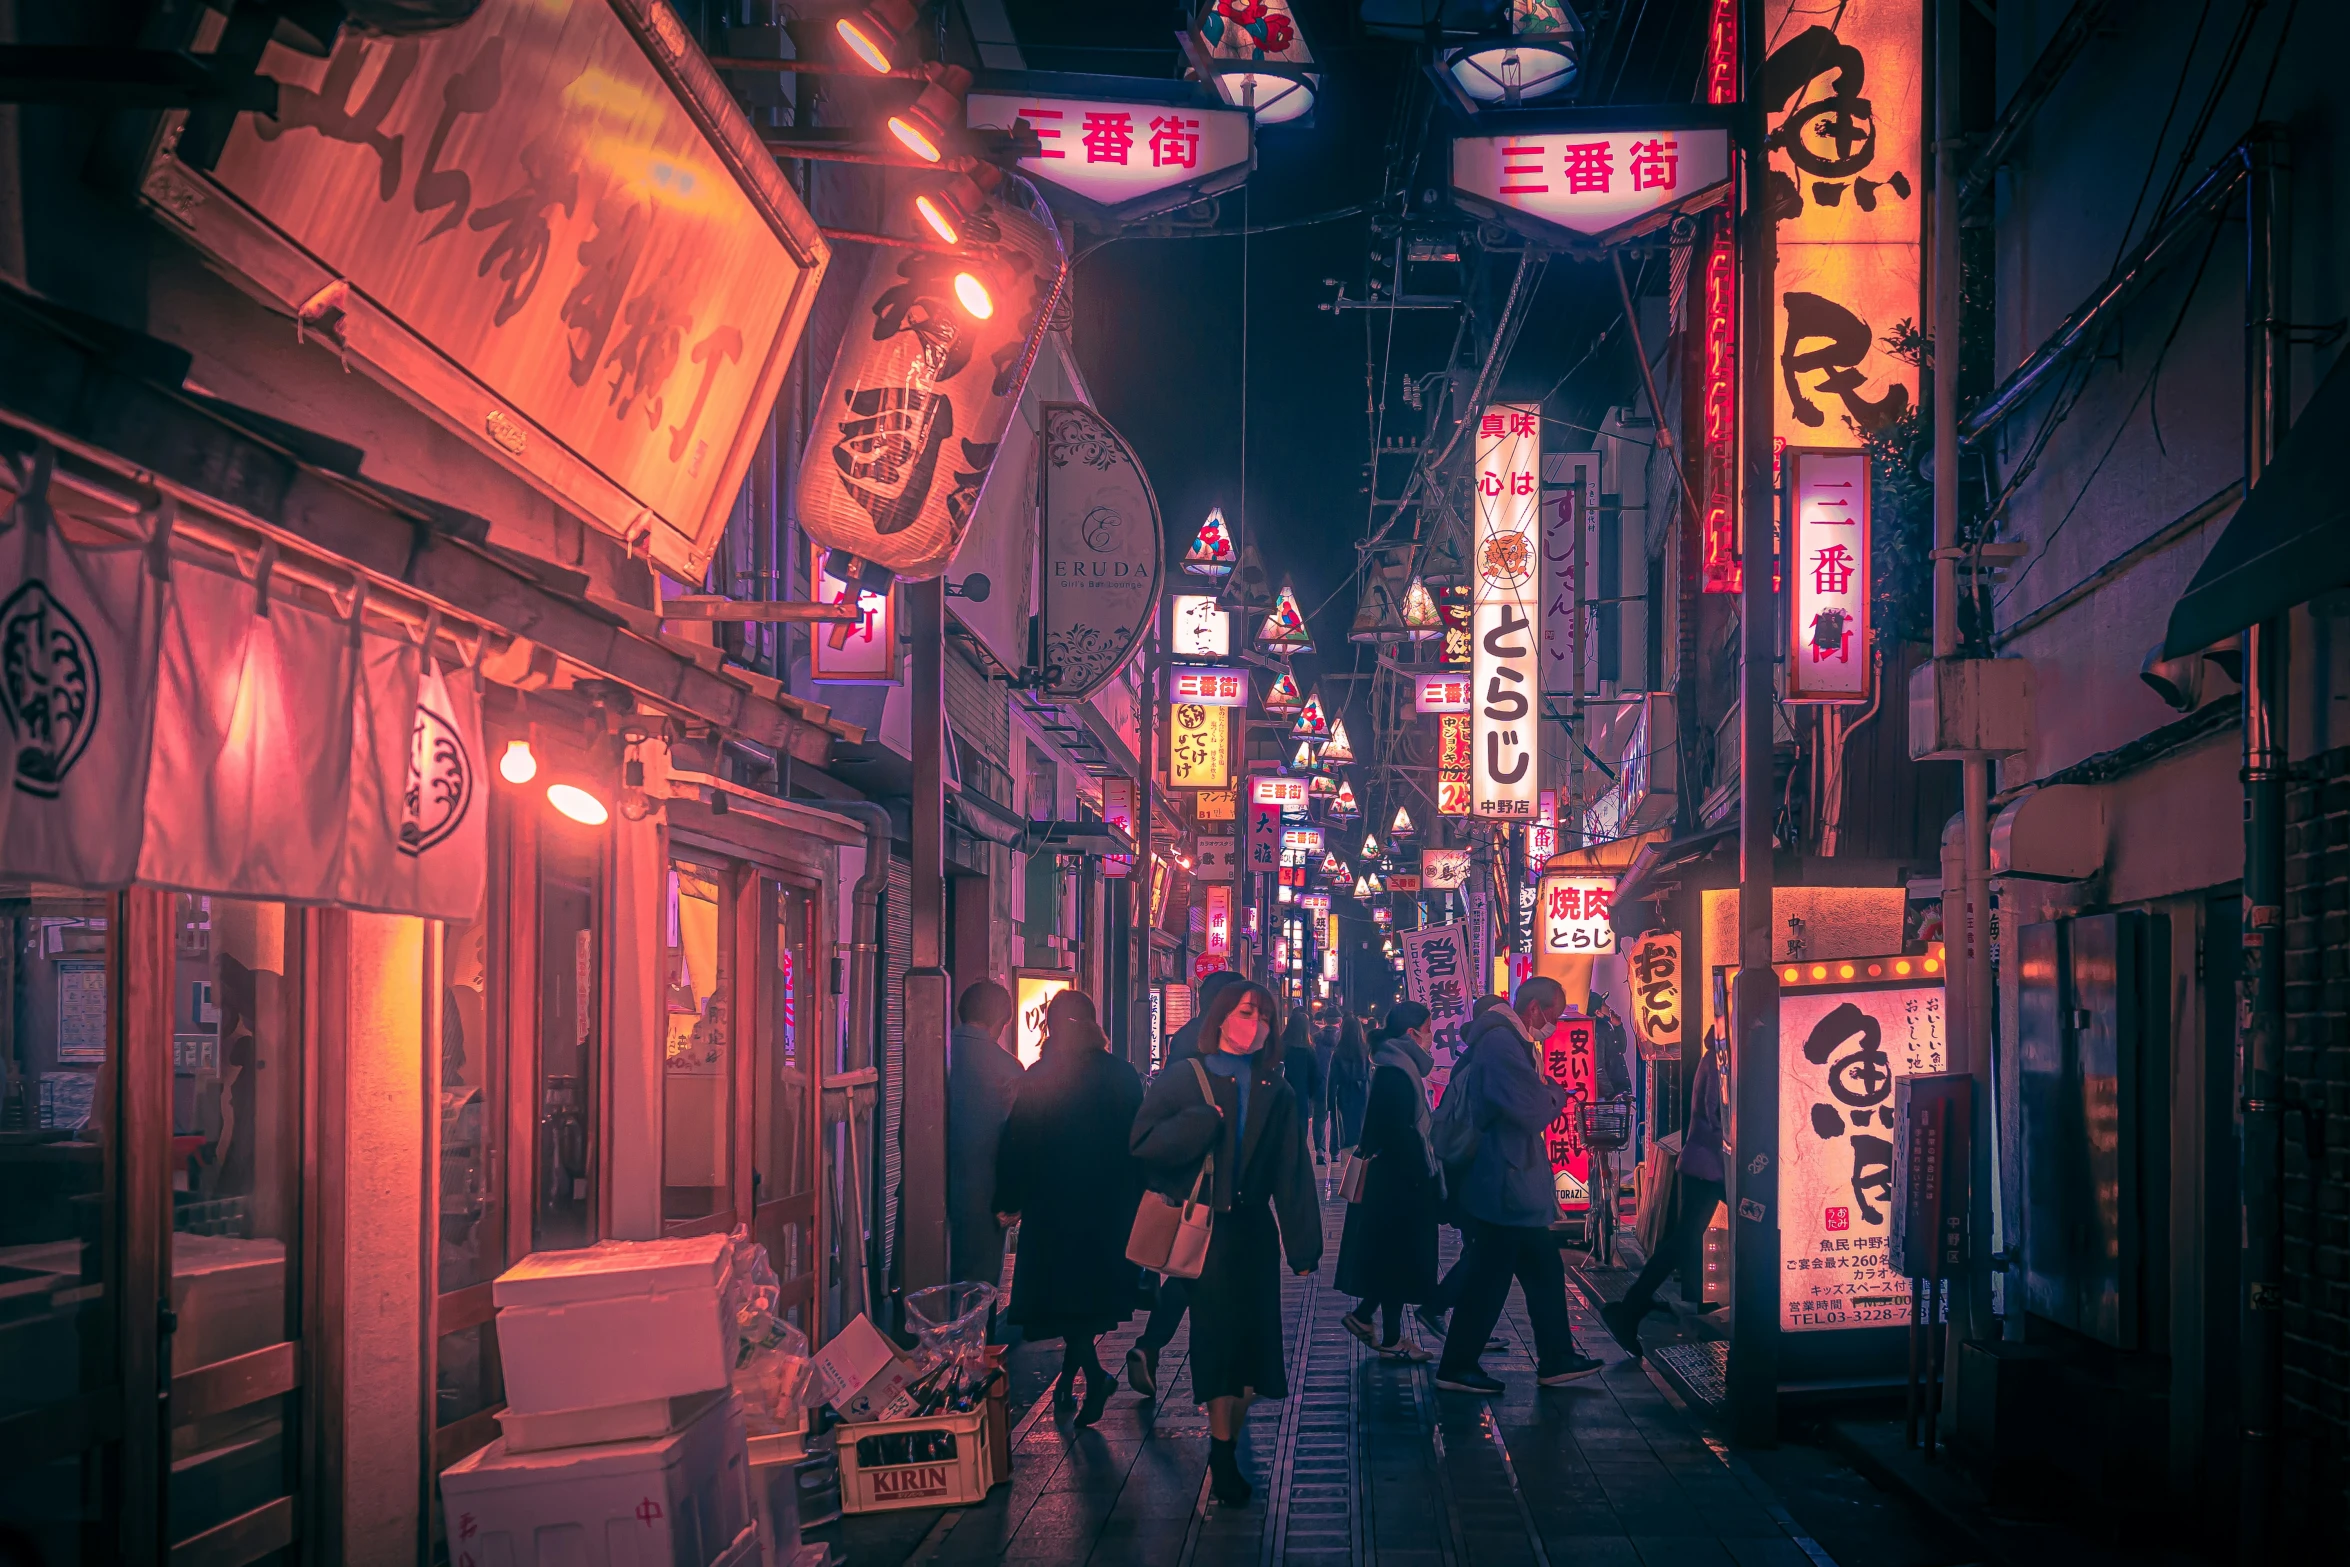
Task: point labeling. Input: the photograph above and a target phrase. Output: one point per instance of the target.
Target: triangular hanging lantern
(1304, 761)
(1250, 587)
(1283, 698)
(1211, 554)
(1284, 630)
(1370, 846)
(1321, 786)
(1345, 805)
(1402, 827)
(1333, 867)
(1311, 723)
(1377, 619)
(1337, 752)
(1362, 887)
(1444, 564)
(1377, 886)
(1420, 617)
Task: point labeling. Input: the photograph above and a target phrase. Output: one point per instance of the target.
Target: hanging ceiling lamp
(1337, 751)
(1283, 698)
(1255, 55)
(1312, 723)
(1536, 54)
(1322, 786)
(1333, 867)
(874, 32)
(1304, 761)
(1363, 887)
(1284, 631)
(1344, 805)
(1211, 554)
(927, 127)
(1420, 618)
(1401, 827)
(1371, 850)
(1378, 619)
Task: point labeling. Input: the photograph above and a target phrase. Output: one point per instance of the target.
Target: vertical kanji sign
(1219, 921)
(1505, 662)
(1566, 1061)
(1437, 975)
(1566, 512)
(1828, 653)
(1655, 965)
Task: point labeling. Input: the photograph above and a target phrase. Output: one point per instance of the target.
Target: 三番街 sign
(1596, 187)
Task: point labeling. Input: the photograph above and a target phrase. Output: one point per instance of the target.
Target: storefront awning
(2288, 542)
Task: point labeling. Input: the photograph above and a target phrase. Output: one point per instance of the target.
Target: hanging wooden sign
(1102, 551)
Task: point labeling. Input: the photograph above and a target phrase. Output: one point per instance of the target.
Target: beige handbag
(1172, 1237)
(1353, 1171)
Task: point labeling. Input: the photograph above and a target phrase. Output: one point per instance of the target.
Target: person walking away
(1387, 1257)
(1303, 1072)
(983, 1079)
(1142, 1361)
(1509, 1199)
(1350, 1083)
(1325, 1049)
(1697, 1191)
(1247, 1122)
(1064, 1170)
(1610, 1075)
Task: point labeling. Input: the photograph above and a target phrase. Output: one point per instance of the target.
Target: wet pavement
(1367, 1461)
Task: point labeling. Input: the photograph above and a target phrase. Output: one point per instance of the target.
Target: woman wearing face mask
(1248, 1122)
(1388, 1256)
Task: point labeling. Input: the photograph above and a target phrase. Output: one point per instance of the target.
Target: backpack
(1453, 1132)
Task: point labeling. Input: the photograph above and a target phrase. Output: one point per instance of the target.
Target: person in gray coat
(983, 1079)
(1508, 1199)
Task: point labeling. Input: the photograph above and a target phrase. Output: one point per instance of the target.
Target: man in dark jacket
(1509, 1199)
(983, 1078)
(1142, 1361)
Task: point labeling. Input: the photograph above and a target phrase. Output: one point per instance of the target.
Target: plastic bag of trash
(771, 1362)
(950, 1323)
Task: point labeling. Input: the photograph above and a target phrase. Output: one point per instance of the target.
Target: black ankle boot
(1227, 1484)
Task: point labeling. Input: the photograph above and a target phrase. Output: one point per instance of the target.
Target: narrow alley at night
(1170, 783)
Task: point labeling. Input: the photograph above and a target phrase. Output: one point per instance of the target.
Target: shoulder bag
(1354, 1169)
(1171, 1237)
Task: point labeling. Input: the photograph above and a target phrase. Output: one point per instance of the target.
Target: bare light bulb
(518, 765)
(915, 142)
(576, 803)
(973, 296)
(860, 44)
(935, 215)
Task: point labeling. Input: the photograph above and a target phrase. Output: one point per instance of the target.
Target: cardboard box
(623, 1322)
(862, 1375)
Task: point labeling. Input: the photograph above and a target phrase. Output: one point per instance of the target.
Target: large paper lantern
(926, 381)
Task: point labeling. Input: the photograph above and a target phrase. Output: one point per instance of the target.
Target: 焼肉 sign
(1573, 914)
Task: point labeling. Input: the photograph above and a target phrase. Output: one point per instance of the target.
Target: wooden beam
(700, 606)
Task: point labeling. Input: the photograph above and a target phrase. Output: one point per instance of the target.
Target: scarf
(1403, 1052)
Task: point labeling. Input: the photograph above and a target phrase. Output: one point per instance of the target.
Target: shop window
(570, 1025)
(235, 1164)
(468, 1195)
(783, 1173)
(697, 1059)
(58, 1244)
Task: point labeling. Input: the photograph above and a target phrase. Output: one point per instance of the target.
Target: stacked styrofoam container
(622, 1441)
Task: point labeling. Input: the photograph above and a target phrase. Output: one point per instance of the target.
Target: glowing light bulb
(915, 142)
(861, 44)
(973, 296)
(518, 765)
(935, 215)
(576, 803)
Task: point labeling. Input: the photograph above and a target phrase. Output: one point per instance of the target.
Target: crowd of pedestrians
(1244, 1109)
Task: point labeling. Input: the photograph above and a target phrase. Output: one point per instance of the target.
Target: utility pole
(925, 1257)
(1138, 1037)
(1754, 1003)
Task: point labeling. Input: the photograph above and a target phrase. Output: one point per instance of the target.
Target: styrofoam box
(681, 1500)
(616, 1323)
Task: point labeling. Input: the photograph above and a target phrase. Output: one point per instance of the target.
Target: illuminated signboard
(1036, 992)
(1199, 751)
(1403, 881)
(1655, 966)
(1316, 902)
(1289, 794)
(1506, 738)
(1301, 840)
(1208, 687)
(1847, 140)
(1444, 870)
(1718, 402)
(1200, 629)
(1843, 1047)
(1566, 513)
(1217, 805)
(1219, 934)
(1574, 915)
(1566, 1061)
(1597, 187)
(864, 653)
(1123, 158)
(1452, 764)
(1828, 577)
(1212, 861)
(1118, 809)
(1444, 691)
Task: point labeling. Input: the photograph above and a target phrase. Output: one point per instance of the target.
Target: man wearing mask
(983, 1078)
(1508, 1199)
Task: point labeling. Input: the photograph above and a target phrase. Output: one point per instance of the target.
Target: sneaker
(1431, 1319)
(1473, 1380)
(1359, 1328)
(1142, 1371)
(1622, 1326)
(1576, 1369)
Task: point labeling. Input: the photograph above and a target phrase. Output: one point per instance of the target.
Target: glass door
(697, 1066)
(570, 1036)
(784, 1110)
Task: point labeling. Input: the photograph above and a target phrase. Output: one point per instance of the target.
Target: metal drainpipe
(864, 951)
(2267, 295)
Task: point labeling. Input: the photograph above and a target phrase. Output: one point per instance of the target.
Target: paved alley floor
(1367, 1461)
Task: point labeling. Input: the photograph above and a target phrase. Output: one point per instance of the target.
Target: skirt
(1236, 1338)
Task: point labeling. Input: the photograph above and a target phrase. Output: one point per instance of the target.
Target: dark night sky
(1158, 321)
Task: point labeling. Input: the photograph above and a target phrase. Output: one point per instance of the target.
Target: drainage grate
(1699, 1372)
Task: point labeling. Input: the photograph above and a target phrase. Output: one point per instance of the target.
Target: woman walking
(1303, 1072)
(1350, 1083)
(1237, 1112)
(1063, 1168)
(1388, 1256)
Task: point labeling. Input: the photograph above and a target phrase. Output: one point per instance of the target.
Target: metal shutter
(897, 956)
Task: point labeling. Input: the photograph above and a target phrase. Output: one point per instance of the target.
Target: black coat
(1389, 1250)
(1262, 1175)
(1065, 1169)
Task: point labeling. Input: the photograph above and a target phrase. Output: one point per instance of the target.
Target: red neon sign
(1719, 537)
(1721, 53)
